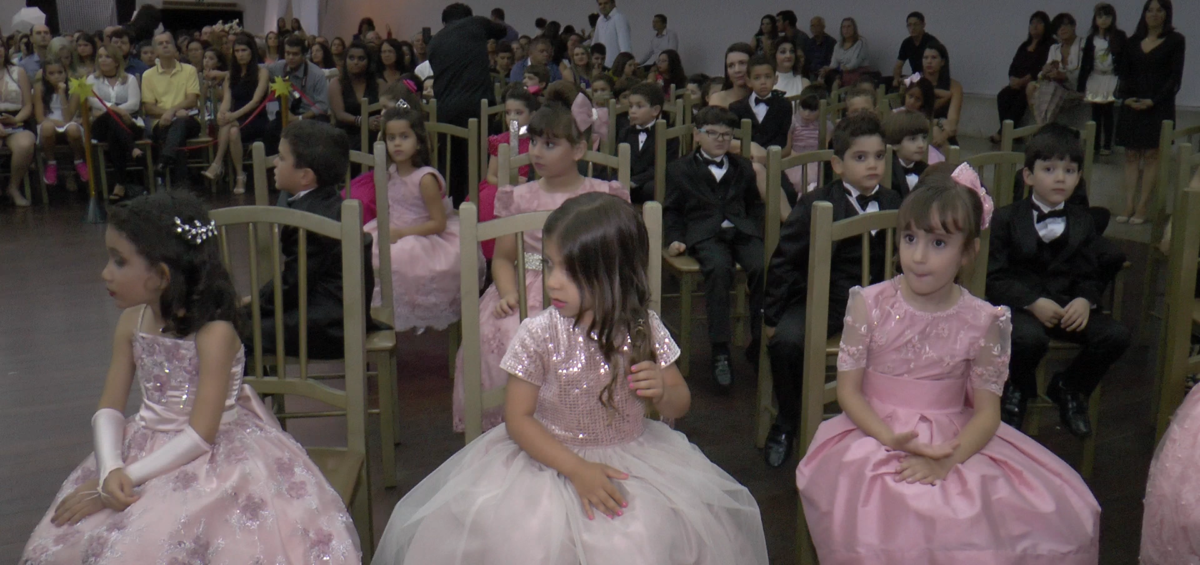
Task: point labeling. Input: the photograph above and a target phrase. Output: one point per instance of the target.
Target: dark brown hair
(605, 251)
(902, 124)
(937, 196)
(554, 118)
(416, 120)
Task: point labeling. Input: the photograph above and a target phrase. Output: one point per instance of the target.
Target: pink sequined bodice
(884, 334)
(549, 351)
(406, 205)
(168, 371)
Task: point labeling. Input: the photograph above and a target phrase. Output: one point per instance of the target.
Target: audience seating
(449, 169)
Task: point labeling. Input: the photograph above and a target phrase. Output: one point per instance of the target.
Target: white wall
(253, 13)
(982, 35)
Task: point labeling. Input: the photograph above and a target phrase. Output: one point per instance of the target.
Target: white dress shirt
(760, 110)
(659, 43)
(871, 206)
(613, 31)
(1051, 228)
(910, 178)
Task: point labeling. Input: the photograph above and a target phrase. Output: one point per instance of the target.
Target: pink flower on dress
(320, 547)
(297, 489)
(252, 509)
(94, 549)
(138, 441)
(285, 468)
(184, 480)
(196, 552)
(86, 474)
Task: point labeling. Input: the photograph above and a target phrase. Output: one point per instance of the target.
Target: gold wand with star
(82, 89)
(282, 88)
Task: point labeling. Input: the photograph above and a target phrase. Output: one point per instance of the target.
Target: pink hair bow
(410, 84)
(912, 79)
(583, 112)
(966, 176)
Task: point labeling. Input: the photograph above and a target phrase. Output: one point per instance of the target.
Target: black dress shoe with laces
(722, 372)
(1012, 406)
(1072, 409)
(779, 446)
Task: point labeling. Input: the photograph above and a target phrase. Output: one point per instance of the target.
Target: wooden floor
(56, 325)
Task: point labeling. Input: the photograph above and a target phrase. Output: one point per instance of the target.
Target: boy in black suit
(714, 211)
(908, 134)
(1050, 265)
(768, 111)
(859, 159)
(312, 162)
(645, 105)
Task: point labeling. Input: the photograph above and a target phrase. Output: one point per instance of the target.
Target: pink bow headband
(583, 112)
(966, 176)
(410, 84)
(912, 79)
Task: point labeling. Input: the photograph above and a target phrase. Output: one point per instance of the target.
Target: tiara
(197, 232)
(401, 104)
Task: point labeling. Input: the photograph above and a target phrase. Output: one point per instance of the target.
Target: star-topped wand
(81, 89)
(282, 88)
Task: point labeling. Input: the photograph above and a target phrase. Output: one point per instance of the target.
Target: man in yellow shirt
(169, 94)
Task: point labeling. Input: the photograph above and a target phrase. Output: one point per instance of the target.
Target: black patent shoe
(722, 372)
(1012, 406)
(779, 446)
(1072, 409)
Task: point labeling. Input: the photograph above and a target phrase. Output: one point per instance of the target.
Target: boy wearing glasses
(714, 211)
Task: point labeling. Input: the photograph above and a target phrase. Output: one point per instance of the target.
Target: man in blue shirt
(540, 52)
(819, 52)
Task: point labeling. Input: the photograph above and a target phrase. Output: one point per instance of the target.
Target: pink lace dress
(492, 503)
(1014, 502)
(1171, 522)
(496, 332)
(255, 498)
(487, 190)
(426, 286)
(805, 138)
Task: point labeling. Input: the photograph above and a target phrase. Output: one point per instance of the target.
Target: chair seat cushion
(340, 467)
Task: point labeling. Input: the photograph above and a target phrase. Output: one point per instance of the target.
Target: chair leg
(740, 317)
(1033, 414)
(103, 176)
(40, 171)
(360, 513)
(1089, 443)
(806, 553)
(385, 369)
(687, 285)
(455, 331)
(151, 186)
(765, 393)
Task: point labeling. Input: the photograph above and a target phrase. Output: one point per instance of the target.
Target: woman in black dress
(245, 89)
(346, 91)
(1152, 77)
(1026, 64)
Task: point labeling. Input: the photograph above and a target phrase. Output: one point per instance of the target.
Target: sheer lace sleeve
(856, 335)
(989, 368)
(664, 347)
(528, 356)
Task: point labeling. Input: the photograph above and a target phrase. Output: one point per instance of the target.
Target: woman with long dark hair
(765, 37)
(320, 56)
(391, 62)
(789, 67)
(737, 57)
(947, 107)
(245, 89)
(346, 91)
(670, 71)
(1011, 102)
(1099, 72)
(1153, 76)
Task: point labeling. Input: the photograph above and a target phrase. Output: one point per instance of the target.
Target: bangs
(554, 122)
(938, 204)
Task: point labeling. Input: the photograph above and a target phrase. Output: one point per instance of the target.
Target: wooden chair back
(688, 103)
(1009, 134)
(829, 112)
(1182, 307)
(350, 401)
(614, 110)
(744, 135)
(491, 118)
(886, 181)
(377, 161)
(672, 111)
(998, 173)
(475, 399)
(470, 134)
(663, 134)
(1166, 185)
(364, 118)
(889, 102)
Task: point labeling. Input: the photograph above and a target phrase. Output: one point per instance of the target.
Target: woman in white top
(56, 113)
(120, 91)
(16, 107)
(849, 56)
(789, 65)
(1058, 80)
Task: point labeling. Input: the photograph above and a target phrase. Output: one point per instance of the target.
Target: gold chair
(475, 399)
(829, 112)
(821, 352)
(489, 117)
(672, 111)
(662, 135)
(345, 468)
(1182, 310)
(614, 111)
(998, 172)
(1009, 134)
(470, 135)
(1165, 188)
(889, 102)
(364, 122)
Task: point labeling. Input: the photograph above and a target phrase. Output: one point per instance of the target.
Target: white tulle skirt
(492, 503)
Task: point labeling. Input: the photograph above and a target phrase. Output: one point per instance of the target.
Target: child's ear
(657, 110)
(967, 258)
(580, 149)
(1028, 176)
(837, 164)
(308, 177)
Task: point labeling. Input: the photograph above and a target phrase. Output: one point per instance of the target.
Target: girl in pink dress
(918, 469)
(362, 187)
(426, 287)
(202, 473)
(805, 134)
(519, 106)
(578, 474)
(558, 140)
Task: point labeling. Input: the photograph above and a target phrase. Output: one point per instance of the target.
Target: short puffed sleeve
(664, 347)
(528, 356)
(856, 333)
(989, 367)
(616, 189)
(506, 202)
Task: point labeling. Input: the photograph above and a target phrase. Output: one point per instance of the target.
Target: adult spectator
(41, 43)
(245, 88)
(765, 37)
(346, 91)
(170, 91)
(365, 26)
(119, 39)
(1154, 74)
(737, 59)
(498, 17)
(599, 54)
(1011, 102)
(912, 49)
(420, 48)
(458, 57)
(504, 62)
(948, 94)
(305, 76)
(788, 64)
(787, 29)
(16, 107)
(374, 42)
(849, 59)
(123, 97)
(663, 39)
(1056, 86)
(540, 53)
(612, 29)
(820, 48)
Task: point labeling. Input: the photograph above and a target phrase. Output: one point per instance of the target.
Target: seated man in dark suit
(714, 211)
(645, 106)
(859, 160)
(768, 110)
(312, 162)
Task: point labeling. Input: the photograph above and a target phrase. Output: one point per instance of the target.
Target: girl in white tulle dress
(578, 474)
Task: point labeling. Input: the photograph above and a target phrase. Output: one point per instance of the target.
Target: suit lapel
(1078, 226)
(1024, 231)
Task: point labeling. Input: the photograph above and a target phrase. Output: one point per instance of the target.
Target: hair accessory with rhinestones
(197, 232)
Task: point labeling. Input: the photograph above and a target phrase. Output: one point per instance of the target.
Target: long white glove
(108, 434)
(181, 450)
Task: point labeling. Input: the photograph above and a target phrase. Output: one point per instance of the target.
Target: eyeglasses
(718, 136)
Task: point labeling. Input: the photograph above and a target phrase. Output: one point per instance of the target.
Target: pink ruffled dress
(1171, 522)
(492, 503)
(1013, 502)
(487, 190)
(255, 498)
(426, 286)
(497, 333)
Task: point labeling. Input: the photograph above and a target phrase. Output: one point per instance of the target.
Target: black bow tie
(760, 101)
(1043, 216)
(863, 199)
(644, 129)
(718, 163)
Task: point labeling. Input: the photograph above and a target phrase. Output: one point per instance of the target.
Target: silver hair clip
(197, 232)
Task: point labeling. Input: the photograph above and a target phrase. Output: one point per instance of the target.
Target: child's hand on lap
(907, 442)
(1047, 311)
(917, 469)
(677, 248)
(593, 483)
(507, 306)
(1076, 314)
(647, 381)
(80, 504)
(117, 493)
